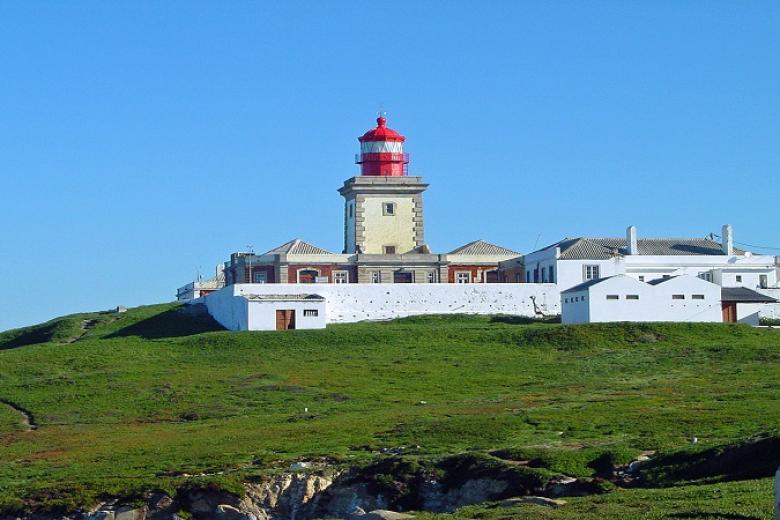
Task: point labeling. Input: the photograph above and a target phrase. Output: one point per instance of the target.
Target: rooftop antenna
(537, 241)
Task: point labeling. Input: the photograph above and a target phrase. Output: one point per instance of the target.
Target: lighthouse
(382, 152)
(383, 207)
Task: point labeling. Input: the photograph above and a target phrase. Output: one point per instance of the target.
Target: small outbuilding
(624, 298)
(285, 311)
(743, 305)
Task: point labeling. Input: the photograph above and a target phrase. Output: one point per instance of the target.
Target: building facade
(573, 261)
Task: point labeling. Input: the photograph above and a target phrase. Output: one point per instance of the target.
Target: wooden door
(285, 319)
(729, 313)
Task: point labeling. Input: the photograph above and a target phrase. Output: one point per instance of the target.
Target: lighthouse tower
(383, 205)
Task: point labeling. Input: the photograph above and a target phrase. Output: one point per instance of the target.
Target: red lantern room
(382, 152)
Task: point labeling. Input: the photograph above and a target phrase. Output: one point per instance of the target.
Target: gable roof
(298, 247)
(744, 295)
(480, 247)
(590, 248)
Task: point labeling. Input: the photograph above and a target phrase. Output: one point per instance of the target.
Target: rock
(227, 512)
(100, 515)
(297, 466)
(384, 514)
(540, 501)
(561, 486)
(128, 513)
(357, 512)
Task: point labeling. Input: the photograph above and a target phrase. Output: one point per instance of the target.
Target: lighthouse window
(388, 208)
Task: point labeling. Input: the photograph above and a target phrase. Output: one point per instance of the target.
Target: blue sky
(141, 142)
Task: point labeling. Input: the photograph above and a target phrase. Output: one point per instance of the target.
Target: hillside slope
(140, 400)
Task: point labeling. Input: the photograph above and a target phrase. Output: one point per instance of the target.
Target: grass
(136, 399)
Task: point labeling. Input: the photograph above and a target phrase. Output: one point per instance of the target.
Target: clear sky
(142, 142)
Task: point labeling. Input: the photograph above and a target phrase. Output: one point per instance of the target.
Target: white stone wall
(358, 302)
(229, 310)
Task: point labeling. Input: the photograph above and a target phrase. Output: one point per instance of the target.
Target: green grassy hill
(131, 402)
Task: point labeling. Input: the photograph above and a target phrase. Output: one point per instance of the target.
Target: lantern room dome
(381, 133)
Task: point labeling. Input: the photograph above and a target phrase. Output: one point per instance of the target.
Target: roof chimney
(631, 243)
(728, 240)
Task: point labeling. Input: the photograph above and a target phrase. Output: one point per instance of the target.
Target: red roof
(381, 133)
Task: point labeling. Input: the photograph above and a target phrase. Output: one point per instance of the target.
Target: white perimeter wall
(347, 303)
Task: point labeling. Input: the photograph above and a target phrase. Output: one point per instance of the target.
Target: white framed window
(613, 297)
(376, 277)
(678, 297)
(590, 272)
(340, 276)
(388, 208)
(697, 297)
(462, 277)
(389, 250)
(433, 277)
(260, 277)
(632, 296)
(706, 276)
(311, 313)
(763, 281)
(739, 278)
(641, 278)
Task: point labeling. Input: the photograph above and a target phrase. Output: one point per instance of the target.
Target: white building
(573, 261)
(682, 298)
(624, 298)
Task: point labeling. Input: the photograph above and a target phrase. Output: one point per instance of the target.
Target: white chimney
(728, 240)
(631, 243)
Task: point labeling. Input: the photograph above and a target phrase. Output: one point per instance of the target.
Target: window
(706, 276)
(576, 298)
(551, 274)
(311, 313)
(376, 277)
(697, 297)
(565, 300)
(613, 297)
(432, 278)
(389, 250)
(463, 277)
(763, 281)
(351, 210)
(632, 297)
(678, 297)
(590, 272)
(528, 277)
(641, 278)
(739, 278)
(388, 208)
(583, 298)
(340, 276)
(261, 277)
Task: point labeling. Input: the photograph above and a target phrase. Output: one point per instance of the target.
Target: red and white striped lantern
(382, 152)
